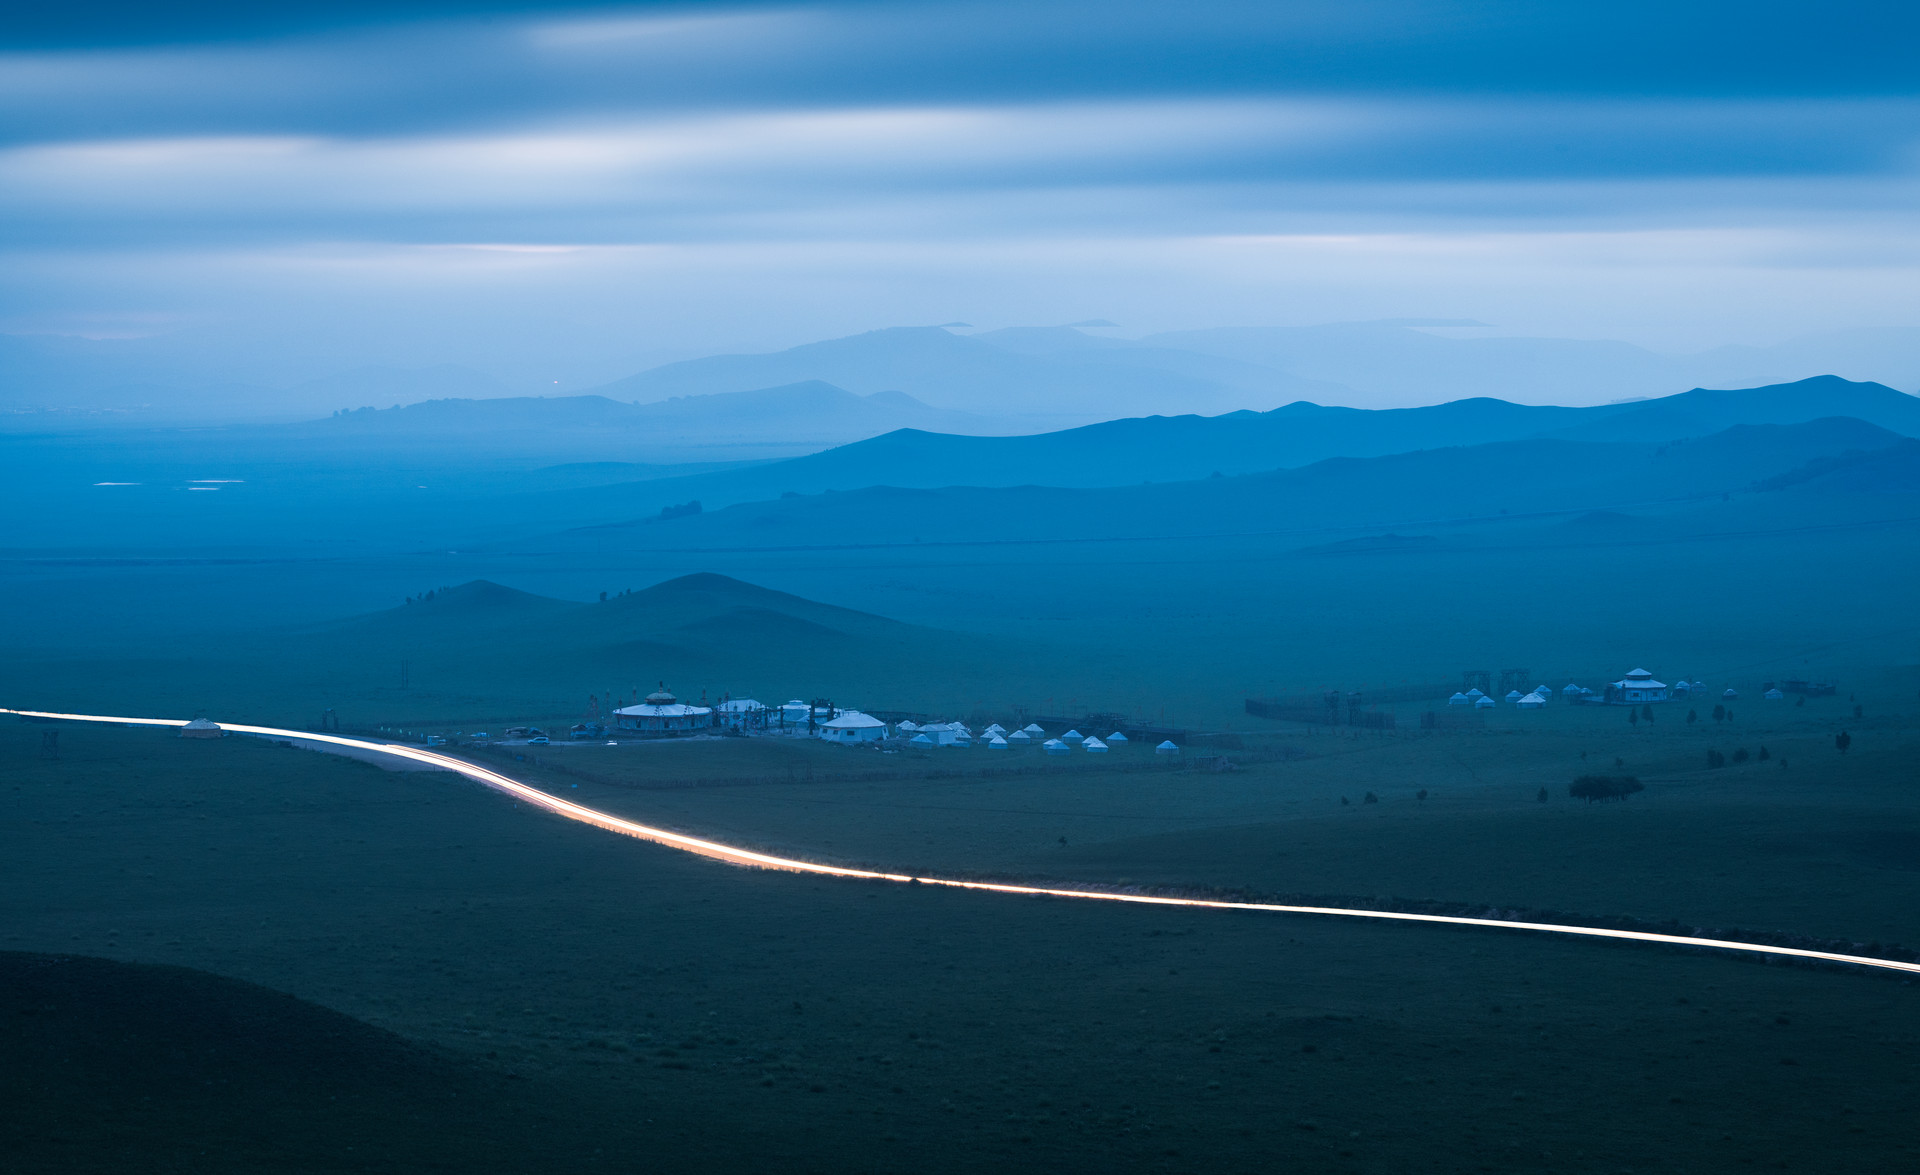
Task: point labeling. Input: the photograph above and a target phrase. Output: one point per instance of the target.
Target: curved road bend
(739, 856)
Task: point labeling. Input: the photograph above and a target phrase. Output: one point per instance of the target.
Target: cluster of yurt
(1473, 697)
(998, 738)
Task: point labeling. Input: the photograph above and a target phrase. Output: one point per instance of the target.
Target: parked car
(539, 740)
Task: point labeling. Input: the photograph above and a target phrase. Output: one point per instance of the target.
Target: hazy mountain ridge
(1430, 486)
(808, 412)
(1184, 448)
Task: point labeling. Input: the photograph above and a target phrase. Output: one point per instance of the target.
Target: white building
(663, 715)
(1637, 688)
(947, 734)
(851, 726)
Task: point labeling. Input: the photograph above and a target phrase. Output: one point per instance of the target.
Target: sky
(574, 192)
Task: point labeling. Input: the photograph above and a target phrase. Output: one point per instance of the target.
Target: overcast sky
(581, 190)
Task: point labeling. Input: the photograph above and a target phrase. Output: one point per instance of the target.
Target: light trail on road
(747, 857)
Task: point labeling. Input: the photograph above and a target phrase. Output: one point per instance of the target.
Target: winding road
(739, 856)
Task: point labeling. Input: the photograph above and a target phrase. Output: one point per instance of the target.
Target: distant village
(1477, 693)
(662, 715)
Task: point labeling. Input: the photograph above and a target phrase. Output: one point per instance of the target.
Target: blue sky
(579, 190)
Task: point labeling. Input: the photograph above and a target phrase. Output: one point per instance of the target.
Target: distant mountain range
(1183, 448)
(1540, 475)
(1039, 377)
(1071, 372)
(806, 415)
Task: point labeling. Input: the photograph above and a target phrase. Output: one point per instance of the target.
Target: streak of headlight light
(738, 856)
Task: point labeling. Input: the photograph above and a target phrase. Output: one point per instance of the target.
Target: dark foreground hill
(110, 1066)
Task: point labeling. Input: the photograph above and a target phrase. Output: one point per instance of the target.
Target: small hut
(1033, 728)
(1167, 748)
(1459, 699)
(1483, 702)
(996, 743)
(920, 740)
(1055, 747)
(1773, 695)
(1116, 737)
(201, 728)
(1021, 737)
(1072, 736)
(1094, 746)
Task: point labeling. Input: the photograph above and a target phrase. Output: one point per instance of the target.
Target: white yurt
(1513, 695)
(1475, 694)
(996, 743)
(1116, 737)
(920, 740)
(851, 726)
(1055, 747)
(1731, 694)
(1459, 700)
(996, 728)
(1072, 736)
(1033, 728)
(1020, 736)
(909, 726)
(1531, 702)
(1167, 748)
(201, 728)
(1094, 746)
(1571, 690)
(1773, 695)
(1483, 702)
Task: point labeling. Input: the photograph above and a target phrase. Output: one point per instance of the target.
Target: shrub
(1693, 716)
(1740, 755)
(1719, 713)
(1542, 797)
(1604, 787)
(1764, 756)
(1371, 799)
(1715, 759)
(1842, 741)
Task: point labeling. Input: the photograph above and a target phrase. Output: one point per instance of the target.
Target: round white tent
(1094, 746)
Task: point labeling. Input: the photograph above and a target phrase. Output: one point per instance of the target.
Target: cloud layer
(1069, 160)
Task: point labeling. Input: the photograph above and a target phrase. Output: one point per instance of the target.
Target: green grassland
(671, 1013)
